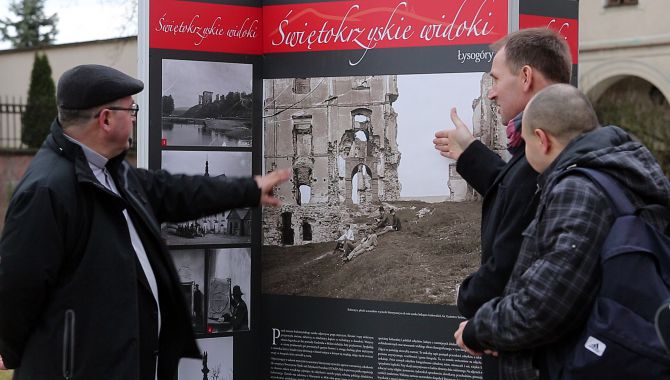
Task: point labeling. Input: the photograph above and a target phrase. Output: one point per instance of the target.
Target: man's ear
(526, 74)
(545, 140)
(103, 120)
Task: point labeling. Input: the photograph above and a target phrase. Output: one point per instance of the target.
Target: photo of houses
(228, 227)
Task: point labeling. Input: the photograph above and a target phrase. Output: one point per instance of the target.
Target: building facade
(119, 53)
(624, 67)
(340, 137)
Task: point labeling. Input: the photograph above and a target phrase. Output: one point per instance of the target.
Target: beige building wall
(622, 41)
(16, 65)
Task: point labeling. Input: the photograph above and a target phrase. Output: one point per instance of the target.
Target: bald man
(556, 278)
(526, 61)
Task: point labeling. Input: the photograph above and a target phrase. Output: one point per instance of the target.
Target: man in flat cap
(87, 289)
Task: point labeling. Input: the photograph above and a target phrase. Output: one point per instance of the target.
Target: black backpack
(619, 340)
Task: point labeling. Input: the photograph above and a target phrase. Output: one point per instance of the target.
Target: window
(360, 83)
(301, 85)
(616, 3)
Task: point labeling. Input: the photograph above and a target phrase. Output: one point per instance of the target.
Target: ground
(422, 263)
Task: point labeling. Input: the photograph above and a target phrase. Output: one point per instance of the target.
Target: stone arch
(640, 107)
(306, 231)
(362, 181)
(302, 176)
(598, 79)
(356, 169)
(360, 132)
(287, 233)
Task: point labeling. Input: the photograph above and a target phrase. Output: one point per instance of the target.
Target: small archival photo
(372, 211)
(206, 103)
(228, 227)
(217, 285)
(190, 265)
(216, 362)
(229, 293)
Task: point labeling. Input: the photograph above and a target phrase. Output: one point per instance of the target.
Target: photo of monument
(206, 103)
(216, 363)
(371, 204)
(217, 286)
(229, 279)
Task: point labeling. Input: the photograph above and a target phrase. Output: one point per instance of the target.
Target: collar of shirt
(97, 163)
(92, 156)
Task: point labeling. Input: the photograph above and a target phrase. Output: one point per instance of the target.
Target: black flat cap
(87, 86)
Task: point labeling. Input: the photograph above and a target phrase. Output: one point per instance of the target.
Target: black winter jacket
(557, 275)
(508, 207)
(73, 298)
(509, 204)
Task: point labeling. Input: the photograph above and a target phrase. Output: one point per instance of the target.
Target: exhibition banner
(355, 275)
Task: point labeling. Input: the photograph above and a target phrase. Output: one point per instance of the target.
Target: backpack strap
(611, 187)
(630, 233)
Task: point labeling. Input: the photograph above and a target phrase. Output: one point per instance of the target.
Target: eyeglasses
(134, 109)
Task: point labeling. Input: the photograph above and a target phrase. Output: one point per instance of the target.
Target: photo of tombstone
(229, 292)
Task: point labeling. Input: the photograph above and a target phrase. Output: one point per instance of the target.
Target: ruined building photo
(486, 127)
(339, 137)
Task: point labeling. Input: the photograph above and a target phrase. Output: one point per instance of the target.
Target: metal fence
(10, 122)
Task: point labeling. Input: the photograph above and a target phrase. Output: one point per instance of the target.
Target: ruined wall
(487, 127)
(339, 137)
(324, 222)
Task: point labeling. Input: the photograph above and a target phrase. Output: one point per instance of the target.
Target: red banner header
(568, 28)
(324, 26)
(370, 24)
(187, 25)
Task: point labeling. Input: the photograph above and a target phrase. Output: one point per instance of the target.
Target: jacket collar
(520, 153)
(58, 142)
(93, 157)
(71, 151)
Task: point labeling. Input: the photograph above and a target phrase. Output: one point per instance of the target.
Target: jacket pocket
(68, 344)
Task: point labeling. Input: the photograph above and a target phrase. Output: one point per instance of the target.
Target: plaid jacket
(556, 277)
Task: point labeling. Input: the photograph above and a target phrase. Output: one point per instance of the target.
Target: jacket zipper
(68, 344)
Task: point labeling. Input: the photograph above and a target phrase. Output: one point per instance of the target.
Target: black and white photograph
(206, 103)
(190, 265)
(372, 211)
(229, 227)
(229, 290)
(216, 284)
(216, 363)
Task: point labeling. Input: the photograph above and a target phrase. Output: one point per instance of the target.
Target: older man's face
(121, 122)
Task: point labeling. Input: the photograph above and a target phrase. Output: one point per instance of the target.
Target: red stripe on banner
(187, 25)
(567, 27)
(370, 24)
